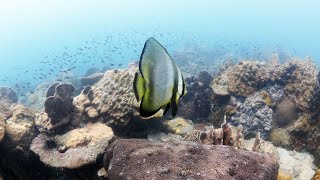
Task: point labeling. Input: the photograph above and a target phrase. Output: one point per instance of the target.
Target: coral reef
(20, 128)
(2, 128)
(298, 76)
(155, 160)
(74, 149)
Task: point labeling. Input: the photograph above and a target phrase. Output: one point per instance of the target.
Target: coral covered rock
(155, 160)
(20, 128)
(74, 149)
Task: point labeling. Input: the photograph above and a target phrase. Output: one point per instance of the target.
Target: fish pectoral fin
(139, 86)
(167, 108)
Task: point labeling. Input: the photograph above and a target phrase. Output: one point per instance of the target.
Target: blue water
(39, 40)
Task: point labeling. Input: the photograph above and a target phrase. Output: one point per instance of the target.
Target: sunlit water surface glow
(41, 40)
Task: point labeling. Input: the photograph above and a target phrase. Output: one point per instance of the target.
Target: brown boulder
(143, 159)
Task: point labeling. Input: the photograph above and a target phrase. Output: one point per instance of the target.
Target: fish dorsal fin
(139, 86)
(152, 55)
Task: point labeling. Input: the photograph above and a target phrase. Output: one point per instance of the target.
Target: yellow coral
(266, 98)
(284, 175)
(316, 176)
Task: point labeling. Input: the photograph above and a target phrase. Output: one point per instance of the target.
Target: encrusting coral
(75, 148)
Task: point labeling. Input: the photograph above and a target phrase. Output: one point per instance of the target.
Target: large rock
(143, 159)
(74, 149)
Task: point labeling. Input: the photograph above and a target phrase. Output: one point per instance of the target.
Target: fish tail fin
(139, 86)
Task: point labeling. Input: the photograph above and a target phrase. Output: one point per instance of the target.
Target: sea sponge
(285, 113)
(75, 148)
